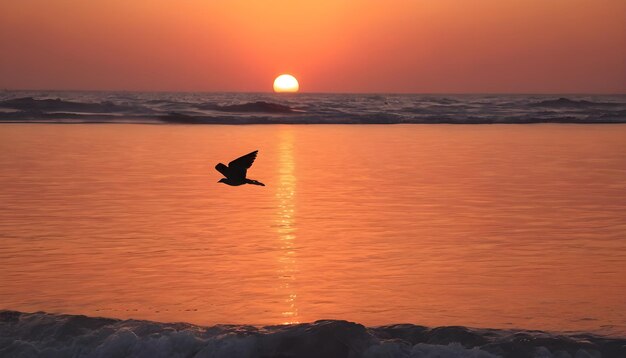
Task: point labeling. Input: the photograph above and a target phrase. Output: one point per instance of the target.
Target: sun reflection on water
(286, 229)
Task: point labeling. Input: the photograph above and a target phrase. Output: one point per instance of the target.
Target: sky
(379, 46)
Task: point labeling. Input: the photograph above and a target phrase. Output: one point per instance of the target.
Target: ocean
(435, 239)
(304, 108)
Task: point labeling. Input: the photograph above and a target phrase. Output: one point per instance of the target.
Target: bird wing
(241, 164)
(222, 169)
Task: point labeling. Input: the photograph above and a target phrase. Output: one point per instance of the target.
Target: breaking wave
(52, 105)
(565, 103)
(258, 107)
(251, 108)
(56, 335)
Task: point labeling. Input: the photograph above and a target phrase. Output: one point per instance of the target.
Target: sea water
(489, 226)
(306, 108)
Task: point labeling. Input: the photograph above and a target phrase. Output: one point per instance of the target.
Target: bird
(236, 171)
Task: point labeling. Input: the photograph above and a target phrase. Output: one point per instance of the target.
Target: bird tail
(254, 182)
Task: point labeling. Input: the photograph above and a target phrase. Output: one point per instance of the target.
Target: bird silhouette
(236, 170)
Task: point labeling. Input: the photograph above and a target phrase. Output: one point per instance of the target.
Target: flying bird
(236, 170)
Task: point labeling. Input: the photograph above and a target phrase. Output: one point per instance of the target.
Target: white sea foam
(48, 335)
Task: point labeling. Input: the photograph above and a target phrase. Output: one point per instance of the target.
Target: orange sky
(329, 45)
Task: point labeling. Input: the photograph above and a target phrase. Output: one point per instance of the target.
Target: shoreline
(70, 335)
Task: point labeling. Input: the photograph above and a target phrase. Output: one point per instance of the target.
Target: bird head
(223, 180)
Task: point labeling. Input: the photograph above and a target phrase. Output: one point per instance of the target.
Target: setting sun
(286, 83)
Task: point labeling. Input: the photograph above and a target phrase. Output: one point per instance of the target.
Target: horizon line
(324, 93)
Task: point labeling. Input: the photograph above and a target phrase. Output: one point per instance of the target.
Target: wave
(58, 335)
(182, 118)
(257, 107)
(58, 105)
(388, 119)
(250, 108)
(568, 103)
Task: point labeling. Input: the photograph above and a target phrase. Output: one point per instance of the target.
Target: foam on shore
(58, 335)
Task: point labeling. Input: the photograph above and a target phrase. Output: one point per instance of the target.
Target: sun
(286, 83)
